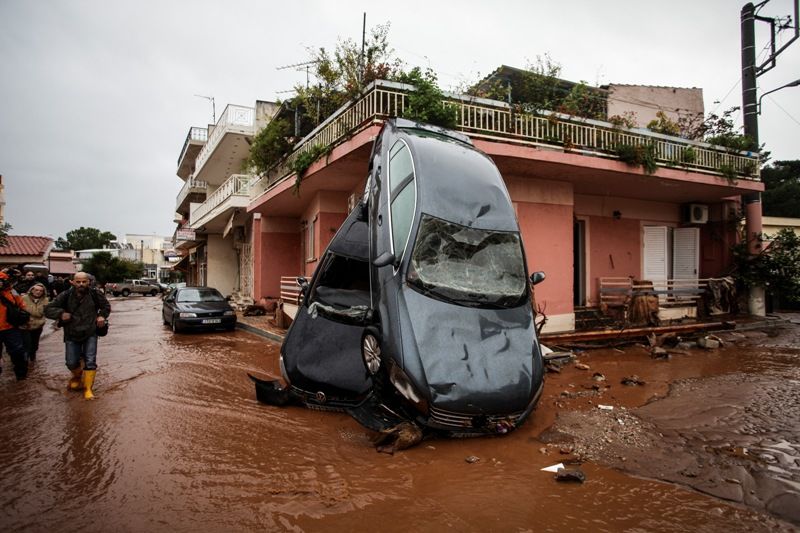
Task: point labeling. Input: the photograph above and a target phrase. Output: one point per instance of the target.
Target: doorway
(579, 262)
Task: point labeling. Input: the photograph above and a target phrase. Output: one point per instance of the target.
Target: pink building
(584, 214)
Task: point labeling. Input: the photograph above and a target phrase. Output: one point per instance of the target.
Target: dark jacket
(84, 313)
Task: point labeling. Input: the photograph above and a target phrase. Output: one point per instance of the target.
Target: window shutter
(685, 253)
(656, 254)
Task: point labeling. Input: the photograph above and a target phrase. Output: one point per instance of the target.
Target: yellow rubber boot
(88, 381)
(76, 381)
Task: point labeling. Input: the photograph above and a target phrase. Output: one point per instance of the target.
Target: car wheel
(125, 292)
(164, 319)
(175, 328)
(371, 350)
(115, 293)
(153, 292)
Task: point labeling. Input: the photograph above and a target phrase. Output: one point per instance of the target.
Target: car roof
(447, 168)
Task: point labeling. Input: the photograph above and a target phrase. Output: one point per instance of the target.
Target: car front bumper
(199, 323)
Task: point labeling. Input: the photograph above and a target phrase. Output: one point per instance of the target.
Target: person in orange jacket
(10, 335)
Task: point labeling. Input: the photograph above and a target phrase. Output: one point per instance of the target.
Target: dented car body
(420, 308)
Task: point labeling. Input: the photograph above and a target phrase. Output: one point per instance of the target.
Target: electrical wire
(782, 109)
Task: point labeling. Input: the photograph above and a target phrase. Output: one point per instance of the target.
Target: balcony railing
(495, 120)
(235, 119)
(191, 186)
(195, 134)
(236, 185)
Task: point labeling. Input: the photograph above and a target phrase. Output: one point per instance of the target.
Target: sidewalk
(260, 325)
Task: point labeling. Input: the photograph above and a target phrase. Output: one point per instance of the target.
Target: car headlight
(229, 313)
(187, 315)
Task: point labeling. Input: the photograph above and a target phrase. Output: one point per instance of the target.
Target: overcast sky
(96, 97)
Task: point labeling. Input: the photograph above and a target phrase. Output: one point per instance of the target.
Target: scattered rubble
(570, 474)
(472, 459)
(632, 381)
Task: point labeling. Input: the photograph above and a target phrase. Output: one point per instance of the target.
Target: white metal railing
(491, 119)
(189, 187)
(235, 118)
(195, 134)
(236, 185)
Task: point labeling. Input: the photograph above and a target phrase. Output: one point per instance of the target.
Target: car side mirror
(537, 277)
(169, 299)
(385, 259)
(302, 282)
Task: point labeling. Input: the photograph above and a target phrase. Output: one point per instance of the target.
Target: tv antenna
(213, 107)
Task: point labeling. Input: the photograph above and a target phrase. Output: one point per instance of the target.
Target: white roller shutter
(656, 253)
(685, 253)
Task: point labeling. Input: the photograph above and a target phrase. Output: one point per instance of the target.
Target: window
(468, 266)
(402, 196)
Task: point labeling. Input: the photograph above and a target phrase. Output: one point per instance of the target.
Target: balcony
(227, 146)
(194, 142)
(497, 121)
(193, 191)
(213, 214)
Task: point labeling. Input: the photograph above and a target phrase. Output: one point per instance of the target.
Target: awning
(182, 265)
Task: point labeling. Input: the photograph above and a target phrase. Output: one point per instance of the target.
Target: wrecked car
(420, 309)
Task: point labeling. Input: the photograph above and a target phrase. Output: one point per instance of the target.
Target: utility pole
(750, 108)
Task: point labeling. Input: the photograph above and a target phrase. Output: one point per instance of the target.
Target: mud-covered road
(177, 442)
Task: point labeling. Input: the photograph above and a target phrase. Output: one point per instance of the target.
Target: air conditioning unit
(695, 214)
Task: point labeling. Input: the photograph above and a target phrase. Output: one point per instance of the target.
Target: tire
(153, 292)
(126, 293)
(115, 293)
(175, 327)
(163, 319)
(371, 350)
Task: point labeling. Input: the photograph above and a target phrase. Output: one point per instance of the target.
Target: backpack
(15, 315)
(100, 331)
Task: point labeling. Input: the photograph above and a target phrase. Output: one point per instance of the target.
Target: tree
(4, 229)
(105, 267)
(782, 182)
(84, 239)
(777, 267)
(425, 103)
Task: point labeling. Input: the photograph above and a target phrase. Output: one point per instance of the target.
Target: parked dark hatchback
(420, 309)
(197, 308)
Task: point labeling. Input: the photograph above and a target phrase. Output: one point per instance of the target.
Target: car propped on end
(420, 309)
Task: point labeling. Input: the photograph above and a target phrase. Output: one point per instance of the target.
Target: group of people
(78, 308)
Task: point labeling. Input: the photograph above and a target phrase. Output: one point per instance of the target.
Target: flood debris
(710, 342)
(657, 352)
(597, 376)
(632, 381)
(404, 435)
(553, 468)
(581, 366)
(570, 475)
(605, 407)
(472, 459)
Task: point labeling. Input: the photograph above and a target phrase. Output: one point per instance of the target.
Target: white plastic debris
(553, 468)
(605, 407)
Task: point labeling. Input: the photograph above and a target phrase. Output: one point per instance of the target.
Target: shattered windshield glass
(467, 266)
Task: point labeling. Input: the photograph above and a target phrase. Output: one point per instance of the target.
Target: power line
(782, 109)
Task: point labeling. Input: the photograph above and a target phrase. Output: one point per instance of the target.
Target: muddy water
(177, 442)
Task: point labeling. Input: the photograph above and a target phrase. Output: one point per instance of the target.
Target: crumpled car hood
(476, 361)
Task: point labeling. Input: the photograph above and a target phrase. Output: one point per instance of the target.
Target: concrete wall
(223, 265)
(646, 101)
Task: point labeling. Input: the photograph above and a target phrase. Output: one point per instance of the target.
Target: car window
(199, 295)
(402, 196)
(400, 167)
(468, 266)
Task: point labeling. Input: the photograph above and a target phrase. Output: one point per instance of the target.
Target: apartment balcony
(193, 191)
(217, 212)
(227, 147)
(495, 121)
(194, 142)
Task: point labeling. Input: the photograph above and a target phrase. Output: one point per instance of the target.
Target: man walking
(80, 310)
(10, 334)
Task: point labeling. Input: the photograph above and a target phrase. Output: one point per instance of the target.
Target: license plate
(212, 320)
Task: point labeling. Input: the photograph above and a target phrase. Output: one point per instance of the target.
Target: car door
(322, 349)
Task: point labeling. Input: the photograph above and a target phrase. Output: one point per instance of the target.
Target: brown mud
(177, 442)
(724, 422)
